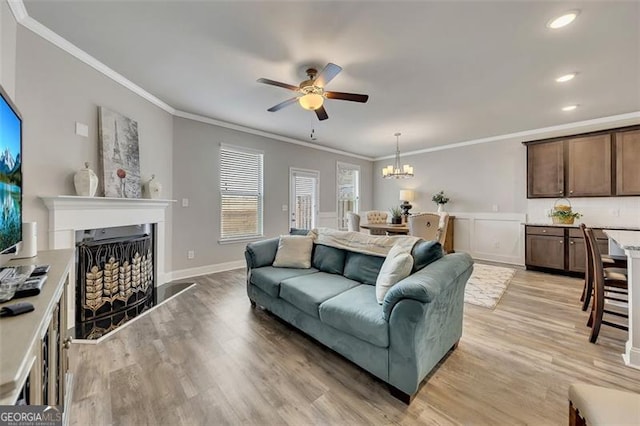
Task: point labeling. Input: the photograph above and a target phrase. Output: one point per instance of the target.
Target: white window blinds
(241, 203)
(305, 193)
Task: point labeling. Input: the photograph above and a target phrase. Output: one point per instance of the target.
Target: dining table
(629, 242)
(389, 228)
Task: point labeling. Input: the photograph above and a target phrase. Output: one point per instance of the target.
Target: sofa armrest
(426, 284)
(261, 253)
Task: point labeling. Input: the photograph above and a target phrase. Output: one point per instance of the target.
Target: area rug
(487, 284)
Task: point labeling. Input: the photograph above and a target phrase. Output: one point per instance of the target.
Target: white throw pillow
(294, 251)
(396, 267)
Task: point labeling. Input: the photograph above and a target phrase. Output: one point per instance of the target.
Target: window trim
(260, 222)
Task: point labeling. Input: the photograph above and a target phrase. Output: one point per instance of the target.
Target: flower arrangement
(440, 198)
(395, 212)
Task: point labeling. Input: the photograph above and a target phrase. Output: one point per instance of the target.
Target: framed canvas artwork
(119, 155)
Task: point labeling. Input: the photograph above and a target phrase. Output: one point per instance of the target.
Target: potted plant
(440, 199)
(396, 215)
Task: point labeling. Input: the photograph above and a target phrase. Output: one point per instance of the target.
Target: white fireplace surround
(68, 214)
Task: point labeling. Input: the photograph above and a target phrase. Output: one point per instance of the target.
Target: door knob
(66, 343)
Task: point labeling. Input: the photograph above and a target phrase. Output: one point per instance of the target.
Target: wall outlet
(614, 212)
(496, 245)
(185, 202)
(285, 207)
(191, 254)
(495, 208)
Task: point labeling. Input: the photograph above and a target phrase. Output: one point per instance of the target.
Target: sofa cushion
(424, 253)
(362, 267)
(396, 267)
(294, 251)
(268, 278)
(328, 259)
(309, 291)
(357, 313)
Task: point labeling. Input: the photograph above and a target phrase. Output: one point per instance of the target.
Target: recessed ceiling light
(566, 77)
(569, 107)
(563, 20)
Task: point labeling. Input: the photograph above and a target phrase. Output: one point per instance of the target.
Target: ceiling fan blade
(327, 74)
(353, 97)
(322, 113)
(283, 104)
(279, 84)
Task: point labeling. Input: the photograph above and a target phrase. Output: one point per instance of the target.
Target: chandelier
(395, 171)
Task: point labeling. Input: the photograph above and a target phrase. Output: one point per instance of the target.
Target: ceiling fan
(311, 94)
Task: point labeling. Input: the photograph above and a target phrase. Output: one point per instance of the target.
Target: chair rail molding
(496, 237)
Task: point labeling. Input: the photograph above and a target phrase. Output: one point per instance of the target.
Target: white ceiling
(439, 72)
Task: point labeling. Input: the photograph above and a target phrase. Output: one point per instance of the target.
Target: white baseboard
(205, 270)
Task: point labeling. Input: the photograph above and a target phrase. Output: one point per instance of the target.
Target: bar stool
(609, 284)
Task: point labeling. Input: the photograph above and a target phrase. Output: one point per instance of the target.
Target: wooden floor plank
(206, 357)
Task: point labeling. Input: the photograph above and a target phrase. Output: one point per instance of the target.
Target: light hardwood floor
(207, 358)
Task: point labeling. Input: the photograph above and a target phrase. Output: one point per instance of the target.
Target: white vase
(154, 188)
(86, 182)
(440, 208)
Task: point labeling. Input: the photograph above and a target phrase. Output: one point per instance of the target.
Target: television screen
(10, 174)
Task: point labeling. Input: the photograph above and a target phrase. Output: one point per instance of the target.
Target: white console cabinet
(33, 346)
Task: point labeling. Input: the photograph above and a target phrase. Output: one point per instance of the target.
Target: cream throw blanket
(375, 245)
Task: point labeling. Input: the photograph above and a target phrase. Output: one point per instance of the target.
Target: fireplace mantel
(68, 214)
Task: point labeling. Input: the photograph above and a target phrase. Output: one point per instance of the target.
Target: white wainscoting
(497, 237)
(328, 220)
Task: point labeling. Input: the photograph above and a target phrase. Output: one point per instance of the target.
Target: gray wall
(196, 177)
(53, 91)
(475, 178)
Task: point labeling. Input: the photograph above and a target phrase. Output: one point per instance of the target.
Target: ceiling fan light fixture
(311, 101)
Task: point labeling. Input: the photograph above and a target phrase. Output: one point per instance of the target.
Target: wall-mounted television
(10, 175)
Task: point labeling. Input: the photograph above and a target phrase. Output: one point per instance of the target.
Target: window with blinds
(303, 197)
(241, 201)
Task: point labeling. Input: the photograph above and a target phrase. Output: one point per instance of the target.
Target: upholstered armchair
(375, 216)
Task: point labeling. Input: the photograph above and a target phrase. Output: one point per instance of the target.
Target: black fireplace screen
(115, 283)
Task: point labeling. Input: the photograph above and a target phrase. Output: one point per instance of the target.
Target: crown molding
(227, 125)
(543, 132)
(22, 17)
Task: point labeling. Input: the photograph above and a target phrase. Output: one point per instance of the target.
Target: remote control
(16, 309)
(40, 270)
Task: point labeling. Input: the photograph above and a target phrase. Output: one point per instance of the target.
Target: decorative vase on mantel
(154, 188)
(440, 208)
(85, 181)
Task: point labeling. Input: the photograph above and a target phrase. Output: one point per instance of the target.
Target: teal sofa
(334, 302)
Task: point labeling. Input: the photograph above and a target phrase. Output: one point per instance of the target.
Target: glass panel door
(348, 180)
(303, 198)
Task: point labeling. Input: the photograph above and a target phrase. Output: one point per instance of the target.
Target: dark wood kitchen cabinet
(545, 247)
(545, 165)
(589, 166)
(597, 164)
(558, 248)
(627, 162)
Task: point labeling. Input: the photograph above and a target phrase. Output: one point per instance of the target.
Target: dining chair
(609, 285)
(607, 261)
(596, 405)
(429, 226)
(375, 216)
(353, 222)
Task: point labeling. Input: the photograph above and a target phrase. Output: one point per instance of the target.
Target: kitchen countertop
(576, 224)
(625, 239)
